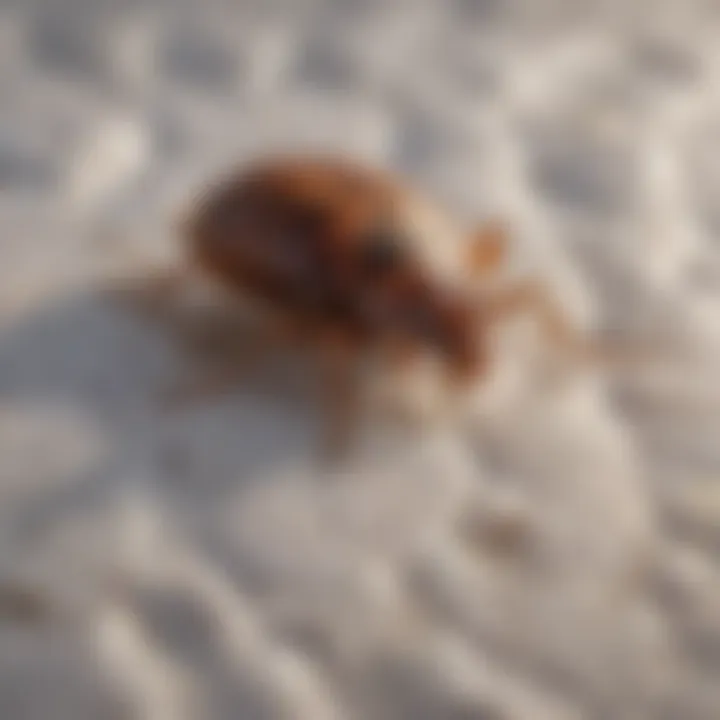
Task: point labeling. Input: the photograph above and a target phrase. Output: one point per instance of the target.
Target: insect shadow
(100, 354)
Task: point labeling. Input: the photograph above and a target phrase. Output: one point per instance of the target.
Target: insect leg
(534, 298)
(340, 394)
(488, 248)
(228, 358)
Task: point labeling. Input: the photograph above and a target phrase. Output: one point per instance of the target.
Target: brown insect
(350, 261)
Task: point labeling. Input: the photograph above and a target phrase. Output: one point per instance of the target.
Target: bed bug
(354, 263)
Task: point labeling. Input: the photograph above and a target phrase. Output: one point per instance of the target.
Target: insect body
(328, 244)
(356, 264)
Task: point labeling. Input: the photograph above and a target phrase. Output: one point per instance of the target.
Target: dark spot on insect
(309, 220)
(381, 251)
(427, 326)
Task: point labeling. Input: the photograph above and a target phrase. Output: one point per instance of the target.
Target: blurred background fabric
(559, 559)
